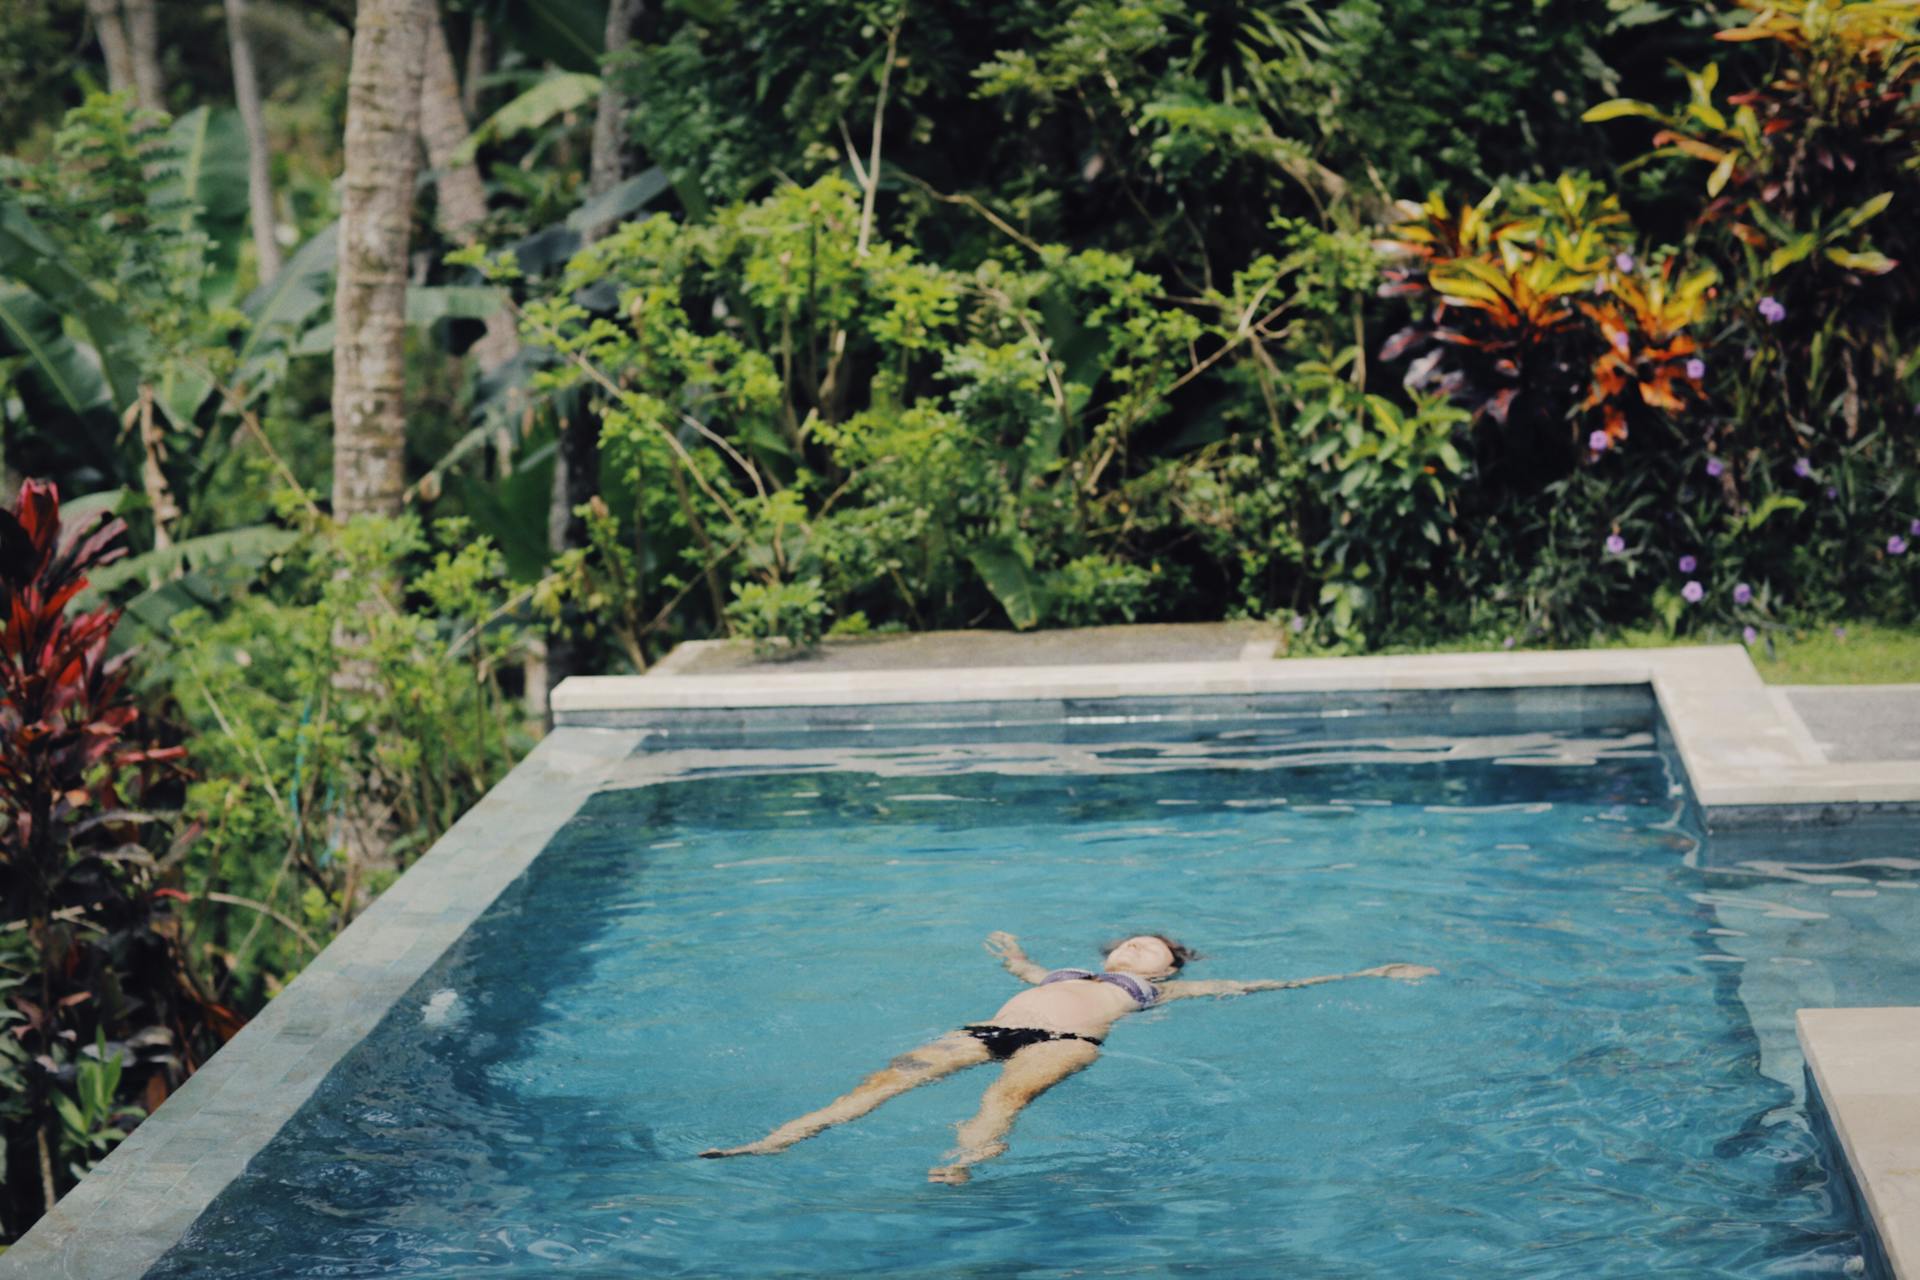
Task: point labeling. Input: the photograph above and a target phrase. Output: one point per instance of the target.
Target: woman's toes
(951, 1174)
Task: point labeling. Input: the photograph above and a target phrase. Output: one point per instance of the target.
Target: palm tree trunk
(479, 57)
(246, 93)
(462, 196)
(370, 298)
(607, 163)
(112, 34)
(143, 34)
(576, 469)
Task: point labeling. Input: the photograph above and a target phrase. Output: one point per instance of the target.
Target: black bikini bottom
(1003, 1042)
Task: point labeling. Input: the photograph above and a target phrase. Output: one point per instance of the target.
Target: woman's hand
(1005, 947)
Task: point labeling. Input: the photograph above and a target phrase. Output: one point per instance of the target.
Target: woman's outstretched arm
(1222, 987)
(1004, 945)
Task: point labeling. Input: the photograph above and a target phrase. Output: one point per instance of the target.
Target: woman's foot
(964, 1159)
(764, 1147)
(1401, 972)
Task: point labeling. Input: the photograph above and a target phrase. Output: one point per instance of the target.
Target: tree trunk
(576, 468)
(370, 299)
(246, 93)
(462, 196)
(462, 203)
(479, 58)
(608, 162)
(112, 34)
(143, 34)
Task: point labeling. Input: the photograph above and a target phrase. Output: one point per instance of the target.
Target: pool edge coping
(1856, 1058)
(1744, 750)
(1745, 753)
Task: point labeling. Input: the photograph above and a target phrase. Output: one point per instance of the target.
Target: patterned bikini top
(1140, 989)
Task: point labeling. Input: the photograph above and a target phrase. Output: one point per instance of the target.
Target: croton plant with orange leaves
(1542, 317)
(1650, 359)
(1802, 162)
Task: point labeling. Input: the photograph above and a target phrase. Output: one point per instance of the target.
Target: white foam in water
(443, 1008)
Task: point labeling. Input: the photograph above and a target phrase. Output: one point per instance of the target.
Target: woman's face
(1145, 955)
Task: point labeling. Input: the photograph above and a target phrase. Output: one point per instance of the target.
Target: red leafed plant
(90, 958)
(63, 705)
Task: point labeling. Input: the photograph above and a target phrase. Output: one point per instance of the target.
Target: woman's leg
(942, 1057)
(1028, 1074)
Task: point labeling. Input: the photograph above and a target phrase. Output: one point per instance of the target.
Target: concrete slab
(1860, 722)
(922, 650)
(1866, 1065)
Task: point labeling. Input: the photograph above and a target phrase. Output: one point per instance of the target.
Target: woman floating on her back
(1043, 1036)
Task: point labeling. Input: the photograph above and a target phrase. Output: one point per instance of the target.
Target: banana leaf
(29, 258)
(252, 545)
(68, 373)
(1013, 582)
(615, 203)
(282, 308)
(556, 95)
(567, 33)
(209, 182)
(61, 388)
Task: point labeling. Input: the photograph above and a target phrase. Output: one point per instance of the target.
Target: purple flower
(1696, 368)
(1615, 544)
(1749, 352)
(1715, 467)
(1840, 633)
(1620, 342)
(1692, 592)
(1623, 261)
(1598, 442)
(1832, 492)
(1914, 528)
(1802, 468)
(1600, 285)
(1770, 308)
(1742, 593)
(1298, 624)
(1896, 545)
(1749, 634)
(1688, 564)
(1507, 643)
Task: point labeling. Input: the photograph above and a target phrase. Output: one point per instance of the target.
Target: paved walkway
(1848, 723)
(1860, 722)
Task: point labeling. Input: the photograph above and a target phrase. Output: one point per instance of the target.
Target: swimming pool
(734, 928)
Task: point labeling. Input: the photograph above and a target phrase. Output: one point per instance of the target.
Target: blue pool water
(1603, 1080)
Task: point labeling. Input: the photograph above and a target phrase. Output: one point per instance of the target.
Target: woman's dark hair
(1181, 952)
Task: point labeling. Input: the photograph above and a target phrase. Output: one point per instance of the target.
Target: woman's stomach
(1085, 1008)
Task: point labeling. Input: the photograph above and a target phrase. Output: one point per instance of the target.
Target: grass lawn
(1857, 653)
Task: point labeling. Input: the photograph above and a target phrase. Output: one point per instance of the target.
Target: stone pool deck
(1762, 762)
(1842, 723)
